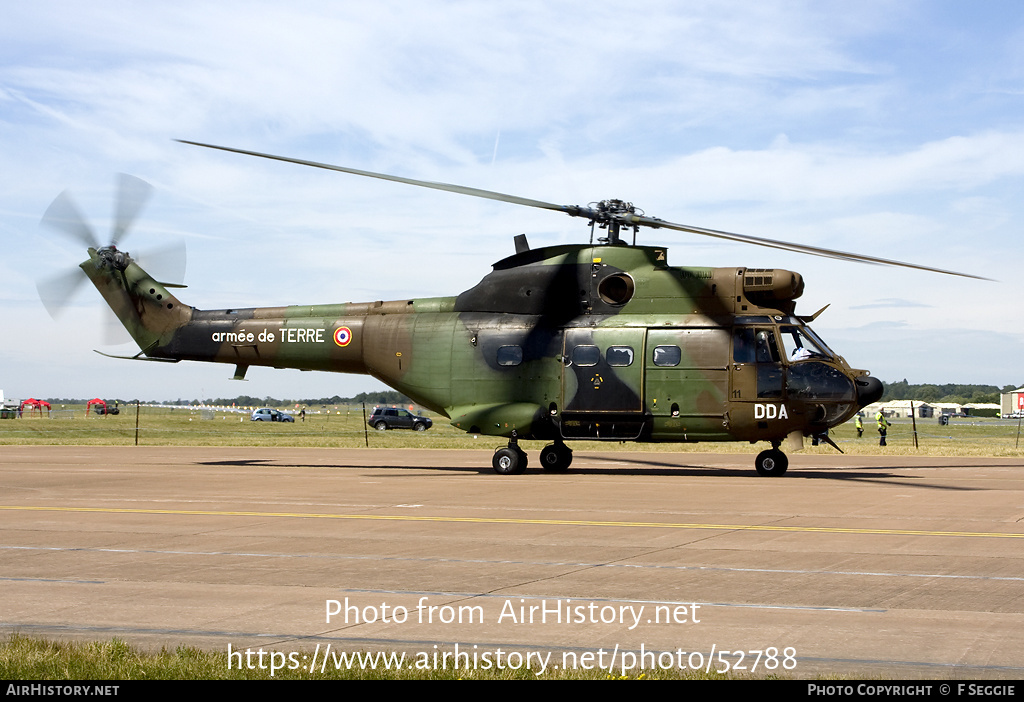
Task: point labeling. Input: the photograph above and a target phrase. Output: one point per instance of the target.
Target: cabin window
(586, 355)
(667, 355)
(510, 355)
(619, 355)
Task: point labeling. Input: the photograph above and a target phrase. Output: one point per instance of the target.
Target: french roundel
(342, 336)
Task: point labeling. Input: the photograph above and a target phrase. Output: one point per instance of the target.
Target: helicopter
(597, 341)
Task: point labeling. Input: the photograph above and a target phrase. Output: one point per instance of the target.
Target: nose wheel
(771, 462)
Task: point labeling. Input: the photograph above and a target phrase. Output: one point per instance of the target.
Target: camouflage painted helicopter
(598, 341)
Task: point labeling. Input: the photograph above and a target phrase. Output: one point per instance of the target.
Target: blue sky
(888, 128)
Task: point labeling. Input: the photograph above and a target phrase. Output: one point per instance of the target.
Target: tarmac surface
(901, 567)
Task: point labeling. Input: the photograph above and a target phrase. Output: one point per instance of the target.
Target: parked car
(384, 418)
(266, 414)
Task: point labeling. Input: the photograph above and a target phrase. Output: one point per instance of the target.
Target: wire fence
(980, 432)
(344, 426)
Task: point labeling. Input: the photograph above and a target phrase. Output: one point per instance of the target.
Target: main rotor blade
(595, 215)
(788, 246)
(63, 216)
(132, 194)
(448, 187)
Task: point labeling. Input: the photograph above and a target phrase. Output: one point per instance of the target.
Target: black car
(384, 418)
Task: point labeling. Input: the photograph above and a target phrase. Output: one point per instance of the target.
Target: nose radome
(869, 389)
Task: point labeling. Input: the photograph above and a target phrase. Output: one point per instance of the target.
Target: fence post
(913, 421)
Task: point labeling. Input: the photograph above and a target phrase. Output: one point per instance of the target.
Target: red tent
(95, 401)
(34, 405)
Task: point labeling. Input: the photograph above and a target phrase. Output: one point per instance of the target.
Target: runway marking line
(501, 520)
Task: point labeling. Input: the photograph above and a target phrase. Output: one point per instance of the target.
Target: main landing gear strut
(512, 460)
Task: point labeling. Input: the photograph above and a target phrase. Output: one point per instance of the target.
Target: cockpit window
(743, 345)
(766, 348)
(817, 339)
(754, 346)
(801, 344)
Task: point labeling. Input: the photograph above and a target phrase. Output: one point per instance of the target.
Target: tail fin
(144, 306)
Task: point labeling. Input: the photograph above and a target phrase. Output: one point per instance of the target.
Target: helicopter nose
(869, 389)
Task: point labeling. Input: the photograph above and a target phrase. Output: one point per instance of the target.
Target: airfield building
(1012, 403)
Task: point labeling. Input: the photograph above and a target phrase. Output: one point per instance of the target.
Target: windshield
(801, 343)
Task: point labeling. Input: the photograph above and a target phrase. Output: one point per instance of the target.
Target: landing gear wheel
(509, 461)
(771, 462)
(556, 458)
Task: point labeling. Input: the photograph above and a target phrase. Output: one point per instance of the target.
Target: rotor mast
(610, 215)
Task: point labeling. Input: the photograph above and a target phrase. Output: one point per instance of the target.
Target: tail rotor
(65, 218)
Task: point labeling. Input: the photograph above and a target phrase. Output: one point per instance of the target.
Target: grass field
(30, 658)
(343, 427)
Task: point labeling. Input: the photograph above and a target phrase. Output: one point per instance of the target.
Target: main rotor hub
(611, 215)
